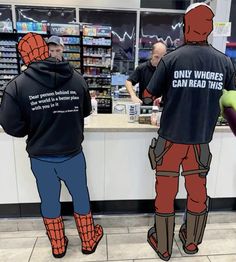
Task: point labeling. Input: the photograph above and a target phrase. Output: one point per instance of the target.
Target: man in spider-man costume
(48, 103)
(191, 80)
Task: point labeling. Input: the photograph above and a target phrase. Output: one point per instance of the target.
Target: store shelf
(9, 68)
(94, 65)
(73, 52)
(7, 62)
(6, 78)
(15, 74)
(98, 36)
(94, 45)
(97, 76)
(99, 87)
(71, 44)
(7, 51)
(8, 45)
(97, 60)
(74, 60)
(97, 56)
(7, 56)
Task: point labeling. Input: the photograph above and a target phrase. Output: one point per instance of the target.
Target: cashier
(143, 74)
(56, 47)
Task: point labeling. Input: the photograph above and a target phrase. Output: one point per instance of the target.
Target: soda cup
(131, 113)
(137, 111)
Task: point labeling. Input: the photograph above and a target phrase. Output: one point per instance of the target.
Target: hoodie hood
(198, 23)
(50, 73)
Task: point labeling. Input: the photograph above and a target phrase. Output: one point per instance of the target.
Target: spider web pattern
(56, 235)
(32, 47)
(90, 234)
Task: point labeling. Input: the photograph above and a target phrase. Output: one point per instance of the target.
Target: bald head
(158, 51)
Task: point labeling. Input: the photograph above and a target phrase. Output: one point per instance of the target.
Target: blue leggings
(48, 178)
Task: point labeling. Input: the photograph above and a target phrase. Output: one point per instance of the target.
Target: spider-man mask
(32, 47)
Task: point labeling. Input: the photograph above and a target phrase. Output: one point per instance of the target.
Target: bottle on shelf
(94, 104)
(116, 93)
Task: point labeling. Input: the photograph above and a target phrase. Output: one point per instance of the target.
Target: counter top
(114, 123)
(119, 123)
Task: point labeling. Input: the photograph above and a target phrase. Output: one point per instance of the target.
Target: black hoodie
(47, 102)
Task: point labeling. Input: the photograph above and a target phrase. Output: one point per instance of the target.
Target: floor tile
(42, 251)
(143, 229)
(120, 260)
(70, 223)
(123, 221)
(116, 230)
(71, 232)
(30, 225)
(8, 225)
(223, 258)
(16, 249)
(219, 217)
(23, 234)
(217, 226)
(132, 246)
(215, 242)
(179, 259)
(110, 230)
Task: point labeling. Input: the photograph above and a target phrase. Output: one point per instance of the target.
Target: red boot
(56, 235)
(90, 235)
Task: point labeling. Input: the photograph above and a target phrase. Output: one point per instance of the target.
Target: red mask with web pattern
(32, 47)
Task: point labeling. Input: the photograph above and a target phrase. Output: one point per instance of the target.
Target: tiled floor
(124, 240)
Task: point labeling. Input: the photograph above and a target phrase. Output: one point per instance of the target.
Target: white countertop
(115, 123)
(119, 123)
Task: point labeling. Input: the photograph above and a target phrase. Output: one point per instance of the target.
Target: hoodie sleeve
(11, 118)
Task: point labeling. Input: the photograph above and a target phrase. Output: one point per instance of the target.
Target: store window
(165, 4)
(5, 13)
(6, 24)
(231, 44)
(123, 25)
(45, 14)
(156, 27)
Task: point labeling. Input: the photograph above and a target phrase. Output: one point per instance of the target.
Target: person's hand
(135, 99)
(157, 102)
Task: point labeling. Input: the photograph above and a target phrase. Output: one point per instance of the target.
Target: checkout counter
(118, 167)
